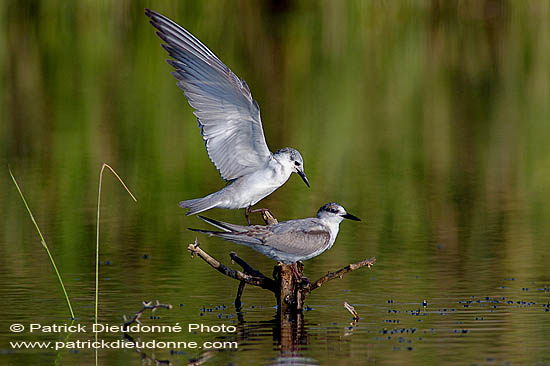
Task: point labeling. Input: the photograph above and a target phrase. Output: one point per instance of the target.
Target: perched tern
(230, 124)
(288, 241)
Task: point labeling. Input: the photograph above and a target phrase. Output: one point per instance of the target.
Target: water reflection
(289, 334)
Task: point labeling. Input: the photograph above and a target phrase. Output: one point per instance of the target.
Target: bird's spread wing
(228, 117)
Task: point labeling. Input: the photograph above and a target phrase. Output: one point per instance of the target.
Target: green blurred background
(430, 120)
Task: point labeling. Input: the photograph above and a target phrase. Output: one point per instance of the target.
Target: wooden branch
(262, 282)
(247, 268)
(290, 294)
(147, 305)
(340, 273)
(203, 357)
(352, 310)
(240, 291)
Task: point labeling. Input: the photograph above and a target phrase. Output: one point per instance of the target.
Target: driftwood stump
(289, 291)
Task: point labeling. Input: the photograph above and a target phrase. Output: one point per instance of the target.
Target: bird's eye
(297, 163)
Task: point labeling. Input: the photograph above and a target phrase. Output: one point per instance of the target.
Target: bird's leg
(297, 275)
(247, 214)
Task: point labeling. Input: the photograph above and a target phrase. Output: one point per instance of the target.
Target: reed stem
(43, 241)
(97, 232)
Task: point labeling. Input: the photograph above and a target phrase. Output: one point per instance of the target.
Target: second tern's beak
(351, 217)
(304, 178)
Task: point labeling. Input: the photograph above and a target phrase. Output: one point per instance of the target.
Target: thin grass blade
(43, 241)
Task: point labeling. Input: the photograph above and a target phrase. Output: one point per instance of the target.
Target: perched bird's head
(291, 157)
(334, 212)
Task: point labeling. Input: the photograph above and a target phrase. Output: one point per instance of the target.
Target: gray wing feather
(296, 237)
(298, 242)
(227, 115)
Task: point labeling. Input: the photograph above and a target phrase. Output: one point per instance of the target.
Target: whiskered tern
(230, 124)
(287, 241)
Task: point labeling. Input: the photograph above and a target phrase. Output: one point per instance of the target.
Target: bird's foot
(267, 215)
(298, 276)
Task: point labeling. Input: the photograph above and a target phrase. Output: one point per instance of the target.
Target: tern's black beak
(304, 178)
(351, 217)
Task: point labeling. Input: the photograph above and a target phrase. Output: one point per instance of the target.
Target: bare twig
(201, 359)
(351, 309)
(247, 268)
(262, 282)
(240, 291)
(289, 293)
(147, 305)
(340, 273)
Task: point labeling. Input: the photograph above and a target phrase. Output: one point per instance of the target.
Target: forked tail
(198, 205)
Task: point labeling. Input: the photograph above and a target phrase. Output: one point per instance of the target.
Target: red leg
(294, 268)
(298, 277)
(247, 214)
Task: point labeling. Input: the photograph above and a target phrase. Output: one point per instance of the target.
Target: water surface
(428, 120)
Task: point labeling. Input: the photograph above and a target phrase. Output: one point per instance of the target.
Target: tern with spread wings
(288, 241)
(230, 124)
